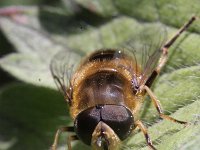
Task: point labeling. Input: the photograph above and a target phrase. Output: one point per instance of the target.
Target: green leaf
(30, 116)
(39, 33)
(28, 68)
(176, 90)
(168, 136)
(104, 8)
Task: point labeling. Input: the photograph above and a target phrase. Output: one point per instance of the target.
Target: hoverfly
(106, 91)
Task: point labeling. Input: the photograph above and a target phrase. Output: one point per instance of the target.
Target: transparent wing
(145, 48)
(62, 68)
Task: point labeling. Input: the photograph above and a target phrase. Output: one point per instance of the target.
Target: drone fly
(106, 91)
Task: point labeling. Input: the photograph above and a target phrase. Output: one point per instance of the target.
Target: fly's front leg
(69, 140)
(170, 42)
(59, 131)
(140, 125)
(158, 107)
(164, 49)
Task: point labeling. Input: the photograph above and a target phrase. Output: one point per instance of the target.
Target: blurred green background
(4, 3)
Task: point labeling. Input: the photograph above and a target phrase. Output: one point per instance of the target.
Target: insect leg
(167, 45)
(59, 131)
(164, 49)
(158, 107)
(70, 139)
(140, 125)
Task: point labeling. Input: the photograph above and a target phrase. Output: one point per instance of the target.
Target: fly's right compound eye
(86, 122)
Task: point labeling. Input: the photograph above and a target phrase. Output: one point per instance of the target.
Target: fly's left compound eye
(119, 118)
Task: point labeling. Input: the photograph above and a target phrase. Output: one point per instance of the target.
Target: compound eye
(119, 118)
(85, 123)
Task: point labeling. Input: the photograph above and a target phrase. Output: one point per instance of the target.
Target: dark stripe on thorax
(105, 55)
